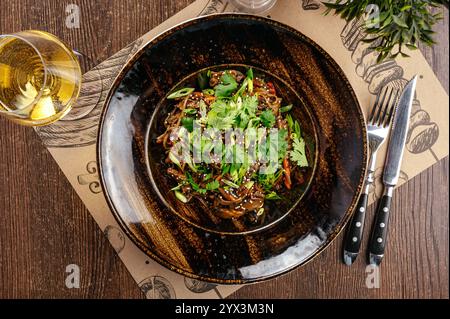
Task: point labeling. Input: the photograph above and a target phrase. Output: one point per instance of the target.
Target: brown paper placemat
(72, 140)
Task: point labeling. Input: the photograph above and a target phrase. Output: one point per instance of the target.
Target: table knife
(391, 172)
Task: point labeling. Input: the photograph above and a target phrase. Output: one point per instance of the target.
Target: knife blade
(399, 131)
(391, 172)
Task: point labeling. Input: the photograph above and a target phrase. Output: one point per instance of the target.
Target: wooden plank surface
(45, 227)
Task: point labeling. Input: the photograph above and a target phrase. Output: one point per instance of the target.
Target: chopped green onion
(297, 129)
(286, 108)
(208, 92)
(250, 86)
(229, 183)
(234, 172)
(176, 187)
(260, 211)
(191, 165)
(190, 111)
(174, 159)
(181, 197)
(241, 89)
(249, 184)
(250, 73)
(290, 122)
(180, 93)
(225, 168)
(272, 196)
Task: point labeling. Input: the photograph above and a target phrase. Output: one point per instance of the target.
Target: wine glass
(40, 78)
(253, 6)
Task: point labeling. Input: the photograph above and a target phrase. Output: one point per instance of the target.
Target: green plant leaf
(403, 22)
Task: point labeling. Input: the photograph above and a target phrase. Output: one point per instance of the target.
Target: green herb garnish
(212, 185)
(188, 123)
(247, 111)
(267, 118)
(298, 152)
(226, 86)
(222, 115)
(233, 105)
(194, 185)
(272, 196)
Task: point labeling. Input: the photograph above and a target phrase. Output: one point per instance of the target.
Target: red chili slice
(271, 88)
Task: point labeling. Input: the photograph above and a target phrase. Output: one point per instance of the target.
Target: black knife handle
(355, 228)
(378, 237)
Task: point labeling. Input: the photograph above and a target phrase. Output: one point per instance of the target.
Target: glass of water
(253, 6)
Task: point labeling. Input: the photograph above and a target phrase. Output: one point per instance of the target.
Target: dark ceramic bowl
(136, 188)
(195, 212)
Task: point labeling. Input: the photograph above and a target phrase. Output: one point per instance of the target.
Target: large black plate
(281, 51)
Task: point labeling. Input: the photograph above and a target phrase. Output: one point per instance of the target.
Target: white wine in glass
(40, 78)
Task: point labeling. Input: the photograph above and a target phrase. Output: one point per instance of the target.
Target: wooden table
(44, 225)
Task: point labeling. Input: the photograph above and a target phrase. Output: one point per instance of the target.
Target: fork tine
(387, 108)
(393, 106)
(374, 107)
(379, 107)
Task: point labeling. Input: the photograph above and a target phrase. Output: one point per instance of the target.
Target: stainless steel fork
(379, 122)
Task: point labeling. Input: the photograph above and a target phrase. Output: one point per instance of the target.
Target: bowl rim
(348, 213)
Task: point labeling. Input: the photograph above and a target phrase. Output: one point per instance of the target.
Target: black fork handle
(355, 230)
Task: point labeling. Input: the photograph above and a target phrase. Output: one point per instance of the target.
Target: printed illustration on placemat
(115, 237)
(80, 127)
(198, 286)
(157, 287)
(90, 178)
